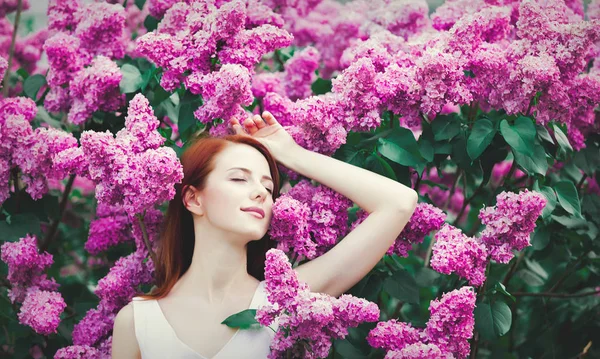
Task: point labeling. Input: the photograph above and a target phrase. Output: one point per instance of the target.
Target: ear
(191, 200)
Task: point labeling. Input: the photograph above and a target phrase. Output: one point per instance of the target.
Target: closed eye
(243, 180)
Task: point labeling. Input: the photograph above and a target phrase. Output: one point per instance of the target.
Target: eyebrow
(248, 171)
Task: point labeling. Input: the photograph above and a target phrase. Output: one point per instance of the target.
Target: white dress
(157, 339)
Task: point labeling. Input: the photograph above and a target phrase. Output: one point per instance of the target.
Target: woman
(207, 266)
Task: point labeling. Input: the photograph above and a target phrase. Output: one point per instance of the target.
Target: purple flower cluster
(82, 76)
(33, 153)
(8, 6)
(27, 51)
(110, 228)
(453, 251)
(307, 322)
(446, 335)
(425, 219)
(510, 222)
(41, 304)
(310, 220)
(78, 351)
(131, 170)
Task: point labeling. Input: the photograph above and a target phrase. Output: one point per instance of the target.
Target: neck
(218, 267)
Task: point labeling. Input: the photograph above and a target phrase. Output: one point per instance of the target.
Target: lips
(256, 210)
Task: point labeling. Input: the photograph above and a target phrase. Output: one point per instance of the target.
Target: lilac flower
(393, 335)
(453, 251)
(107, 231)
(64, 58)
(61, 14)
(9, 6)
(451, 321)
(77, 352)
(224, 91)
(23, 259)
(159, 7)
(267, 82)
(41, 311)
(510, 222)
(100, 29)
(289, 226)
(3, 67)
(96, 324)
(419, 351)
(307, 322)
(300, 73)
(95, 88)
(402, 18)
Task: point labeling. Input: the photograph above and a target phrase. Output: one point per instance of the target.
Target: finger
(237, 128)
(258, 121)
(269, 118)
(250, 125)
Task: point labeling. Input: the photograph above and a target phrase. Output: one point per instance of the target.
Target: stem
(555, 295)
(63, 204)
(12, 47)
(568, 272)
(513, 268)
(583, 178)
(466, 203)
(145, 236)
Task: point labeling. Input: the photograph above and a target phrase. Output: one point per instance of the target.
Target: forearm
(369, 190)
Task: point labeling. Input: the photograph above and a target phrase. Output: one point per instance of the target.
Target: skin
(217, 280)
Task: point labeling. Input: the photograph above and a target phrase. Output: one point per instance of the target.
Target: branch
(568, 272)
(61, 212)
(466, 203)
(11, 52)
(555, 295)
(513, 268)
(145, 235)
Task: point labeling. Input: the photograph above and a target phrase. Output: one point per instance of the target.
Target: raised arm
(390, 205)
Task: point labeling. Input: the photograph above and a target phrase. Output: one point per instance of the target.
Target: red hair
(176, 238)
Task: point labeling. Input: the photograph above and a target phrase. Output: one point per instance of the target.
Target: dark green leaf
(445, 127)
(347, 350)
(140, 4)
(32, 85)
(520, 136)
(499, 287)
(543, 133)
(426, 149)
(378, 165)
(561, 139)
(540, 238)
(402, 286)
(151, 23)
(401, 147)
(535, 164)
(321, 86)
(426, 277)
(186, 116)
(551, 199)
(530, 278)
(493, 320)
(132, 79)
(588, 160)
(567, 197)
(243, 320)
(480, 138)
(23, 73)
(536, 268)
(20, 225)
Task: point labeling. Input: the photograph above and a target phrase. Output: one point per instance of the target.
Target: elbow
(409, 202)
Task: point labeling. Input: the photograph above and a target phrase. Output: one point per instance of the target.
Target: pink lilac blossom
(61, 14)
(425, 219)
(159, 7)
(41, 311)
(35, 154)
(358, 99)
(439, 196)
(451, 321)
(448, 13)
(267, 82)
(419, 351)
(129, 172)
(307, 322)
(27, 50)
(117, 288)
(300, 73)
(100, 29)
(224, 92)
(107, 231)
(3, 67)
(401, 17)
(64, 58)
(510, 222)
(93, 327)
(8, 6)
(152, 221)
(77, 352)
(455, 252)
(23, 259)
(95, 88)
(321, 217)
(393, 335)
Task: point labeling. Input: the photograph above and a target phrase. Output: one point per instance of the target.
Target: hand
(268, 132)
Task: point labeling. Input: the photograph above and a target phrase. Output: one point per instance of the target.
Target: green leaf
(23, 73)
(378, 165)
(535, 164)
(321, 86)
(186, 117)
(568, 198)
(499, 287)
(493, 320)
(561, 139)
(543, 133)
(347, 350)
(540, 238)
(445, 127)
(551, 199)
(402, 286)
(520, 136)
(140, 4)
(401, 147)
(588, 160)
(132, 79)
(151, 23)
(536, 268)
(480, 138)
(32, 85)
(426, 149)
(243, 320)
(19, 226)
(426, 277)
(530, 278)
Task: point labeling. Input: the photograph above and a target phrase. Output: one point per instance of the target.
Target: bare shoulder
(124, 342)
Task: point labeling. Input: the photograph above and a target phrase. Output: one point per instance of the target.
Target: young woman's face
(241, 179)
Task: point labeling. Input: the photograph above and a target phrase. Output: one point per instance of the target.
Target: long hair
(176, 238)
